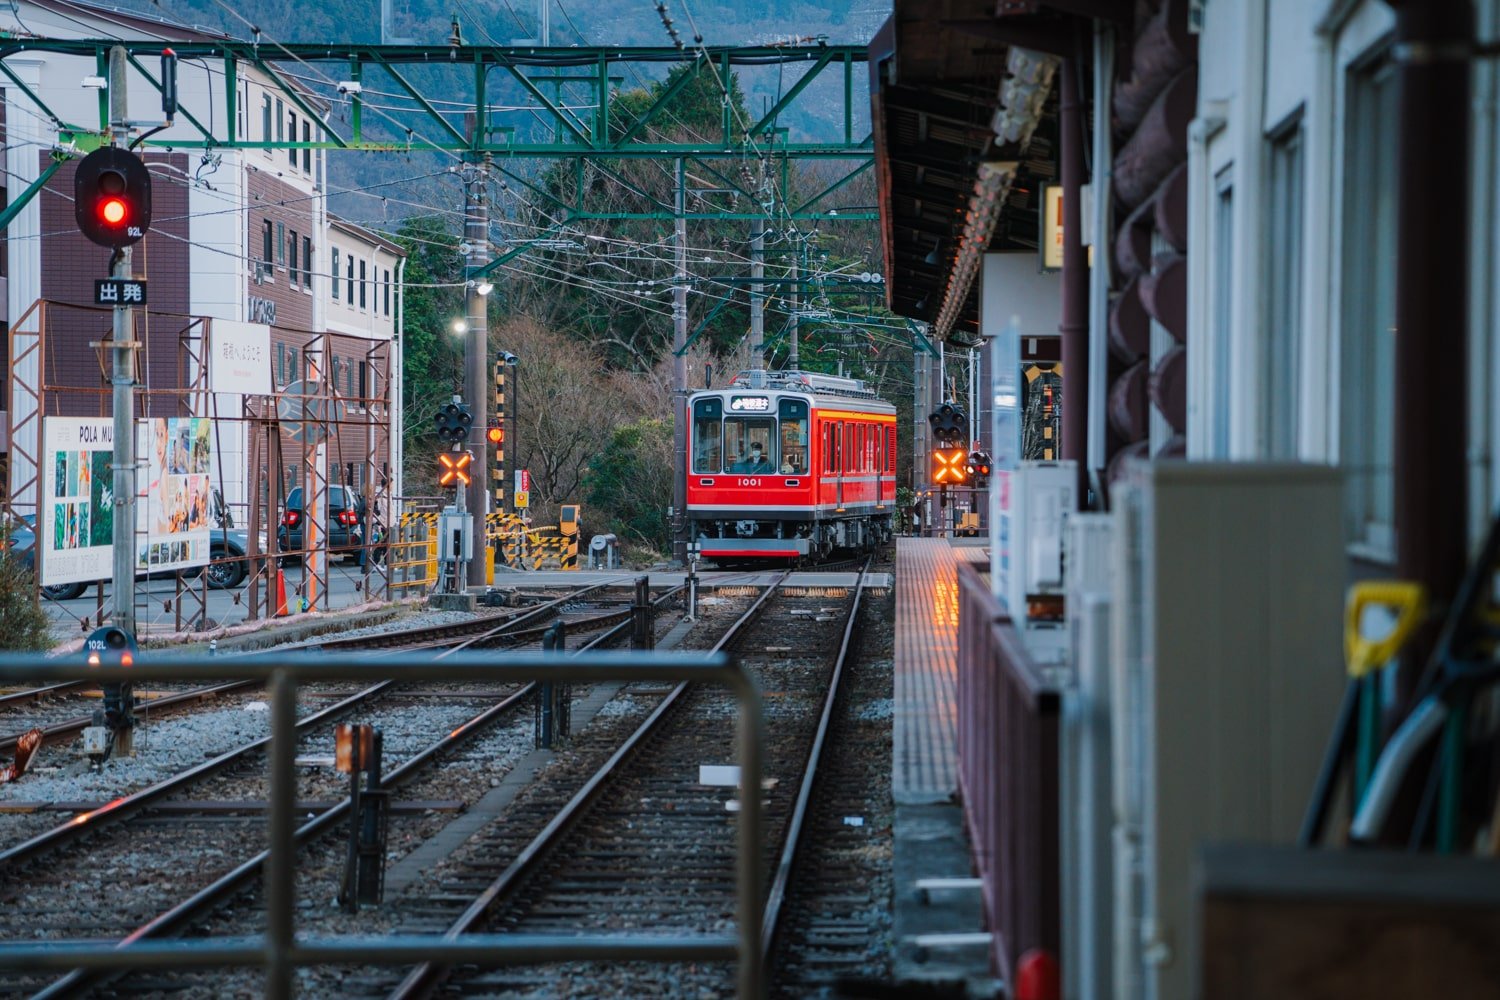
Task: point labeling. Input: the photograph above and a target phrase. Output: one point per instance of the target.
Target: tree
(23, 623)
(631, 483)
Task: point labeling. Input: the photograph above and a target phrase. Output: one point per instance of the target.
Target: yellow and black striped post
(497, 423)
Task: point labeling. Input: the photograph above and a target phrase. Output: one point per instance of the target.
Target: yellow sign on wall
(523, 499)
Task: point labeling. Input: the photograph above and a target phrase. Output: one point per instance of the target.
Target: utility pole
(476, 352)
(757, 300)
(679, 374)
(791, 358)
(123, 381)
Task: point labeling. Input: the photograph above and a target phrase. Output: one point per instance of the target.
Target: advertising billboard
(75, 537)
(173, 507)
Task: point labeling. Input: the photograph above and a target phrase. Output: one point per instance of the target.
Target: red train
(789, 465)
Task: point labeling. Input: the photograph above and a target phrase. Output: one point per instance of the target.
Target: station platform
(941, 942)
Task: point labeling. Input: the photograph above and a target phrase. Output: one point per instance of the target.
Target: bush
(23, 623)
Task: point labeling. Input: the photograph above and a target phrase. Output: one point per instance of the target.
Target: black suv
(348, 523)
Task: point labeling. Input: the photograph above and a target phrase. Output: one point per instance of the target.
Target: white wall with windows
(1293, 188)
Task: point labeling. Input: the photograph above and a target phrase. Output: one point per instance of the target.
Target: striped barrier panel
(412, 558)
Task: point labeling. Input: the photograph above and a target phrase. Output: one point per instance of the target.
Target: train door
(840, 456)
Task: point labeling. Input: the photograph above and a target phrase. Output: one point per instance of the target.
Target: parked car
(224, 544)
(348, 523)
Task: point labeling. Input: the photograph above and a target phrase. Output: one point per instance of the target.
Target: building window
(362, 284)
(281, 364)
(307, 262)
(349, 288)
(335, 274)
(265, 117)
(291, 153)
(386, 284)
(1368, 308)
(281, 244)
(1222, 299)
(364, 383)
(1284, 290)
(280, 121)
(306, 152)
(291, 266)
(266, 241)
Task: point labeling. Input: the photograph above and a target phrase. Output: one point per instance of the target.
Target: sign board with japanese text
(1052, 227)
(119, 292)
(239, 357)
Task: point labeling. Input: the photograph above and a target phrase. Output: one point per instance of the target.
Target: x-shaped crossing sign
(453, 467)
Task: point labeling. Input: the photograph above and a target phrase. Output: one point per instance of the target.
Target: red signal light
(113, 211)
(496, 435)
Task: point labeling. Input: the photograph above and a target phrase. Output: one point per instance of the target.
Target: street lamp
(481, 287)
(460, 326)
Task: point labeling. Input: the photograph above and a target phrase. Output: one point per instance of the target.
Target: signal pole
(122, 379)
(679, 375)
(476, 349)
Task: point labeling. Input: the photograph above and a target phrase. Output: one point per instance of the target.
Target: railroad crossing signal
(453, 467)
(950, 466)
(949, 424)
(452, 423)
(112, 197)
(496, 435)
(979, 467)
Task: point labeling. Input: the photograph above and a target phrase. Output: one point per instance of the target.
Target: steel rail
(37, 694)
(81, 723)
(485, 626)
(777, 895)
(129, 805)
(232, 881)
(428, 975)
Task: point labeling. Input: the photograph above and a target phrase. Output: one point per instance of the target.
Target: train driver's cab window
(750, 445)
(794, 439)
(708, 437)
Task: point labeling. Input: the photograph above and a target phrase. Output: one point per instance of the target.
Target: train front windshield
(749, 443)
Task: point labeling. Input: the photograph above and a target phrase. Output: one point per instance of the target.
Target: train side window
(708, 444)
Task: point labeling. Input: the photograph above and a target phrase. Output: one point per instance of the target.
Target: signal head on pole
(112, 197)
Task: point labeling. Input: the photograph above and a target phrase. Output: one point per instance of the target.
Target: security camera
(350, 87)
(509, 358)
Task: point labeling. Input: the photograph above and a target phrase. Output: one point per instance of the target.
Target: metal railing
(1008, 716)
(280, 951)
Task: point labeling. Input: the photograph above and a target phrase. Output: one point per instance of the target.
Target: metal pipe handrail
(279, 952)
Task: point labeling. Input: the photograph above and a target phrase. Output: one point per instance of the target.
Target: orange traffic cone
(281, 611)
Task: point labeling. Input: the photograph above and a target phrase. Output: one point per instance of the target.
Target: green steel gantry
(597, 134)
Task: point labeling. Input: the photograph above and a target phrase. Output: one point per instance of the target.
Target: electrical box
(1032, 505)
(455, 535)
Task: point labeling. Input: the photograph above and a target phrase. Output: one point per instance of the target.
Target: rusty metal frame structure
(29, 345)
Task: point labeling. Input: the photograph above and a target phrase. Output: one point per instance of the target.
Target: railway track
(166, 919)
(641, 843)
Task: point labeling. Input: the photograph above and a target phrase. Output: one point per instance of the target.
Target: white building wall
(1266, 63)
